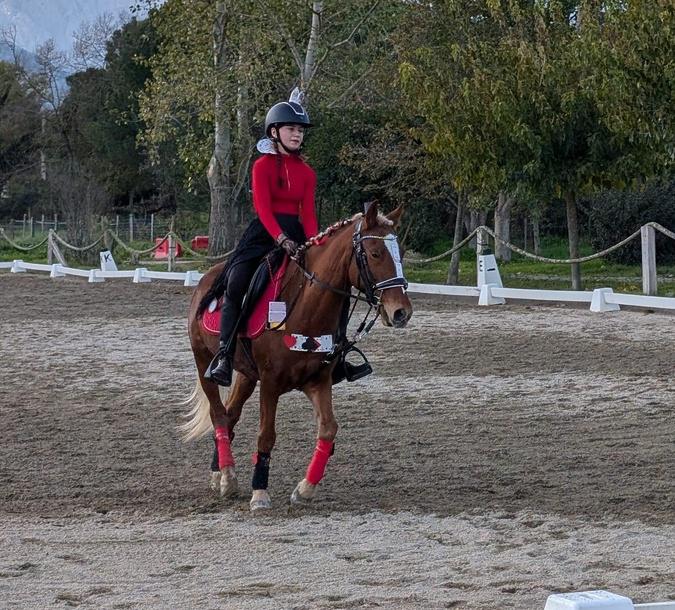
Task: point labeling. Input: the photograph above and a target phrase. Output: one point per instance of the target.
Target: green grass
(520, 272)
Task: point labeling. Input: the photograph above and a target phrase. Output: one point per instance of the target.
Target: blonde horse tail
(198, 417)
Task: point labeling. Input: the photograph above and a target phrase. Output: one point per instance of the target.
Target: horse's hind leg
(224, 418)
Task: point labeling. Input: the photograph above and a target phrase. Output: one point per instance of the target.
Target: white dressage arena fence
(489, 289)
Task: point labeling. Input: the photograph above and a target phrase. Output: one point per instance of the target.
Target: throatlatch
(324, 449)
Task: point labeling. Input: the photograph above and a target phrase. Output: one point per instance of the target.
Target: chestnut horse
(362, 253)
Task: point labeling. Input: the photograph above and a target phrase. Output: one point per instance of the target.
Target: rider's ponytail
(280, 179)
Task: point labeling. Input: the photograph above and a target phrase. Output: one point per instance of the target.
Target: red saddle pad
(257, 321)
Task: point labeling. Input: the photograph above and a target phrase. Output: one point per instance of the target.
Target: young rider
(283, 197)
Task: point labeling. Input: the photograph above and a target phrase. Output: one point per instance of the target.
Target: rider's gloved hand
(289, 246)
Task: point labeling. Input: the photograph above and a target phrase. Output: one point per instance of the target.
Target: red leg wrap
(224, 451)
(317, 466)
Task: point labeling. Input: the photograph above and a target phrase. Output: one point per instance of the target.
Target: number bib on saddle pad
(257, 320)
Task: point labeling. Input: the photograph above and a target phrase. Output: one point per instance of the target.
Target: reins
(372, 291)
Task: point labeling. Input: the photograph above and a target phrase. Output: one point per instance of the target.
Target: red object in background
(200, 242)
(163, 251)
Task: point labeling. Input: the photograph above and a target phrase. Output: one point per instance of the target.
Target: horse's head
(377, 268)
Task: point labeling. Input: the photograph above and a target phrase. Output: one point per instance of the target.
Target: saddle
(265, 286)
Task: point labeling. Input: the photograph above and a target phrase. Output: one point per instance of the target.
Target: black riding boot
(220, 369)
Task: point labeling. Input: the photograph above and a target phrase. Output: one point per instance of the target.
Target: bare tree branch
(351, 87)
(342, 42)
(284, 33)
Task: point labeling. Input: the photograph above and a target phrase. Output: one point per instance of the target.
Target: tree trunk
(221, 221)
(453, 271)
(503, 225)
(573, 236)
(312, 45)
(535, 236)
(472, 219)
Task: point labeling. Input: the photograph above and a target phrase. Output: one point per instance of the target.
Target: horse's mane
(330, 230)
(218, 287)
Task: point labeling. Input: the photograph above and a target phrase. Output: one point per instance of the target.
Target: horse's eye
(375, 253)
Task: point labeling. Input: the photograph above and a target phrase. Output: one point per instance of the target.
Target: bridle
(371, 289)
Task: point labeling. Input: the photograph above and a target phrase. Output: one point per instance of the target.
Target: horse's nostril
(400, 317)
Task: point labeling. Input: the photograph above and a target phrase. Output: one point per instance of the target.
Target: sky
(37, 20)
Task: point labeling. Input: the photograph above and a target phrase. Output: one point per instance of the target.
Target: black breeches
(238, 278)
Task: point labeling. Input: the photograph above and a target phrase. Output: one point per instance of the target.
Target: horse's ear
(395, 216)
(370, 214)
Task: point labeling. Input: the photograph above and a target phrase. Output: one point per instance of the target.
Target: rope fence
(543, 259)
(489, 288)
(110, 236)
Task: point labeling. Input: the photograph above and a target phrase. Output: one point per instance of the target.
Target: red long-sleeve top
(293, 194)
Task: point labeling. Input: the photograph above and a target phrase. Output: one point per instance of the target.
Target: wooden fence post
(172, 247)
(107, 242)
(171, 252)
(50, 249)
(649, 282)
(131, 228)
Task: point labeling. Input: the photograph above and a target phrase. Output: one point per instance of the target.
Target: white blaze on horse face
(391, 244)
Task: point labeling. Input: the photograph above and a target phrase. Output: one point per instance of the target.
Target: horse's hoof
(303, 493)
(214, 481)
(229, 486)
(260, 500)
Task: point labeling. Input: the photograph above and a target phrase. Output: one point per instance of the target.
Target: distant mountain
(38, 20)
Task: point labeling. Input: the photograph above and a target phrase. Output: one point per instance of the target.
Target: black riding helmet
(286, 113)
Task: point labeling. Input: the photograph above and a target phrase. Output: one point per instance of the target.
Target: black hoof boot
(220, 370)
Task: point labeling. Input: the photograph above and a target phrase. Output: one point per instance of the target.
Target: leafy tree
(517, 93)
(220, 66)
(19, 126)
(103, 118)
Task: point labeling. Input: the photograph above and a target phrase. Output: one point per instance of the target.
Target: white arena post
(17, 267)
(140, 276)
(57, 271)
(192, 278)
(600, 304)
(487, 272)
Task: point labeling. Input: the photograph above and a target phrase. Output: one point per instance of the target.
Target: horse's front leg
(267, 435)
(321, 395)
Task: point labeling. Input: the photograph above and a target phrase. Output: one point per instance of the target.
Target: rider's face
(291, 136)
